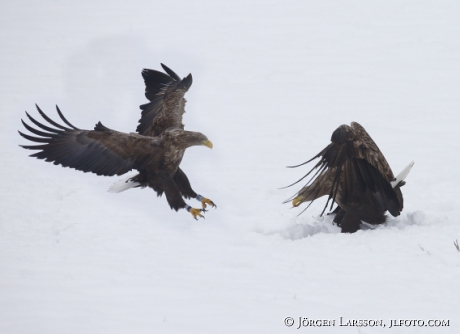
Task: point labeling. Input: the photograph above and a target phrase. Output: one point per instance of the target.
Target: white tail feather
(122, 185)
(401, 176)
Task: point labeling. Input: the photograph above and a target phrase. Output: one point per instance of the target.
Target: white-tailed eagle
(155, 151)
(353, 173)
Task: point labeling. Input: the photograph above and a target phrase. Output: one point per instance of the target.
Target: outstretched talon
(205, 201)
(195, 212)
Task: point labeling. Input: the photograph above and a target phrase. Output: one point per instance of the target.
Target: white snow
(271, 81)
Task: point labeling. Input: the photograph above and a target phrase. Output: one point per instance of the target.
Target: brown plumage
(167, 102)
(156, 151)
(353, 172)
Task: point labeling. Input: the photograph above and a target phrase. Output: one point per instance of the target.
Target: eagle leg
(337, 209)
(350, 222)
(204, 201)
(339, 215)
(195, 212)
(186, 190)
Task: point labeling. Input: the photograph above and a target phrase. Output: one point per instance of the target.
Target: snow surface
(272, 81)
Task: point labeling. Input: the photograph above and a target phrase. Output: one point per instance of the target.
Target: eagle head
(185, 139)
(197, 138)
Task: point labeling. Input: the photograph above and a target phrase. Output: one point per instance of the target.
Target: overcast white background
(272, 81)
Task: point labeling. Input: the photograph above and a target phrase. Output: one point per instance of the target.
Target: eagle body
(155, 151)
(353, 173)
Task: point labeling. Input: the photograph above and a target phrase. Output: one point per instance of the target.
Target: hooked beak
(207, 143)
(296, 201)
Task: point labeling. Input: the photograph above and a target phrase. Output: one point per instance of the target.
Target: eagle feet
(205, 201)
(196, 212)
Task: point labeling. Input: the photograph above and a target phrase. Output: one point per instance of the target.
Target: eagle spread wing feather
(156, 151)
(166, 107)
(101, 151)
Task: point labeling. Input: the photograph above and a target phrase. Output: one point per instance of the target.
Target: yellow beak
(296, 201)
(207, 143)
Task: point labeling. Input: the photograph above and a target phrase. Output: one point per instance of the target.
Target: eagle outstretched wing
(166, 107)
(351, 162)
(101, 151)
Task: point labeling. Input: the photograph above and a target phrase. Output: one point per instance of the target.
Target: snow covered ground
(272, 81)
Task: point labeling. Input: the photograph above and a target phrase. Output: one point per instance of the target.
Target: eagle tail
(399, 180)
(122, 185)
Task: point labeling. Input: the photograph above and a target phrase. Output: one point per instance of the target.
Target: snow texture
(271, 81)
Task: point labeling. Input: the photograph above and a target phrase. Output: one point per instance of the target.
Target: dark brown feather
(104, 151)
(166, 107)
(353, 172)
(101, 151)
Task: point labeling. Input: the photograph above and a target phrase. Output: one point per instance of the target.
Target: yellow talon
(205, 201)
(296, 201)
(195, 213)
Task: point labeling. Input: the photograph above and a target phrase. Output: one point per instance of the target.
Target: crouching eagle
(353, 172)
(155, 151)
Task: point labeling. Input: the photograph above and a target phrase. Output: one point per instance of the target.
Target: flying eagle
(155, 151)
(353, 173)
